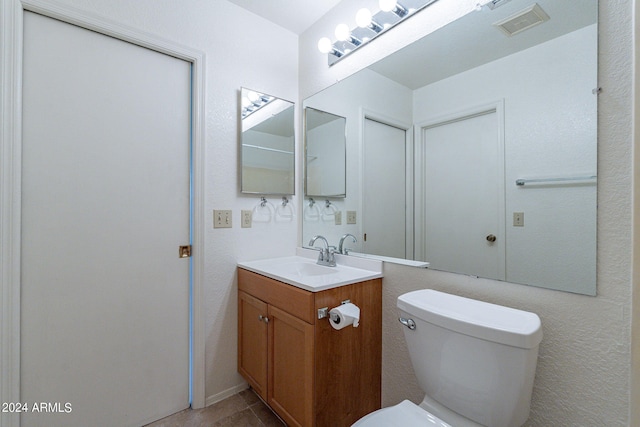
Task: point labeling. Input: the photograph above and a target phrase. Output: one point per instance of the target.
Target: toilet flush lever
(409, 323)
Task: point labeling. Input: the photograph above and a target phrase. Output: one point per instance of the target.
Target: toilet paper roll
(344, 315)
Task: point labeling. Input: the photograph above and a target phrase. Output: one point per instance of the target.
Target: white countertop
(302, 271)
(401, 261)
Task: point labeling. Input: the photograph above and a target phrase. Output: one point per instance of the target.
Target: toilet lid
(405, 414)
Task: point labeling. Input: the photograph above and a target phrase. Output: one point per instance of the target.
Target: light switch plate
(351, 217)
(518, 219)
(338, 218)
(221, 218)
(246, 219)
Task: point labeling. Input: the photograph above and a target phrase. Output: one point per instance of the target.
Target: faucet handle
(341, 248)
(330, 258)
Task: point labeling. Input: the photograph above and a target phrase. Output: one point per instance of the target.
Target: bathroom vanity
(309, 373)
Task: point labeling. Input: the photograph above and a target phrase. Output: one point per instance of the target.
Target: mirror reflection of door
(463, 200)
(384, 190)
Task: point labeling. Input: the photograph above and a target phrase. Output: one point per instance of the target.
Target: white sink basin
(303, 271)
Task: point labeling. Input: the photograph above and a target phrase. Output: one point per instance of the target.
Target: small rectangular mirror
(268, 142)
(325, 154)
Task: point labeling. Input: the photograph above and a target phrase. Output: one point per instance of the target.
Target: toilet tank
(473, 358)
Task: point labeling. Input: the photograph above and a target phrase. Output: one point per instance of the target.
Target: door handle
(491, 238)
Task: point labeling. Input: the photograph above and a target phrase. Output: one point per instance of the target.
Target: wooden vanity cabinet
(253, 342)
(310, 374)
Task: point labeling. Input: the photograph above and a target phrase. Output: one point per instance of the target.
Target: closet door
(105, 297)
(463, 196)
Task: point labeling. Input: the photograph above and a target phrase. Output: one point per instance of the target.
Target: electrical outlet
(351, 217)
(246, 219)
(518, 219)
(338, 217)
(221, 218)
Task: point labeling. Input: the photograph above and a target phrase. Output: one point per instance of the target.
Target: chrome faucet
(326, 256)
(345, 251)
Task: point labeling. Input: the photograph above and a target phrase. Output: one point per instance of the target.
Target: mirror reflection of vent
(523, 20)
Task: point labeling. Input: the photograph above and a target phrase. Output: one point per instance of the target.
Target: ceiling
(294, 15)
(473, 40)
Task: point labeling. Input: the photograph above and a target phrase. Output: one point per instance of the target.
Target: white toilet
(475, 361)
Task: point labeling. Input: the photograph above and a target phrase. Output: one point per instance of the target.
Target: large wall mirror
(268, 141)
(475, 148)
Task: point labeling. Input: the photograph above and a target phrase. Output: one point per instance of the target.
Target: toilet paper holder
(324, 311)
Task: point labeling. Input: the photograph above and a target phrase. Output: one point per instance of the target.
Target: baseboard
(215, 398)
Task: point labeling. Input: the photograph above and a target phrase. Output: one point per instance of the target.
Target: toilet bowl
(474, 360)
(405, 414)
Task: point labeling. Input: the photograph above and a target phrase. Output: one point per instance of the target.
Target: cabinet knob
(264, 319)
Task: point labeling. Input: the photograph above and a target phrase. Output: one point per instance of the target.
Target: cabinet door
(291, 368)
(252, 342)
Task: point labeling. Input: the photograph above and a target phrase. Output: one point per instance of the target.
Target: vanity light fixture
(253, 101)
(343, 33)
(325, 46)
(369, 26)
(364, 19)
(393, 6)
(492, 4)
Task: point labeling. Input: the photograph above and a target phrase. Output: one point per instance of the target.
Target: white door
(384, 190)
(463, 196)
(105, 298)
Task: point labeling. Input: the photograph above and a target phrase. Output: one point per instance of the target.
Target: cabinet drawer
(292, 300)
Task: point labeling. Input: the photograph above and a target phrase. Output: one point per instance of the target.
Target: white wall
(240, 51)
(583, 375)
(549, 131)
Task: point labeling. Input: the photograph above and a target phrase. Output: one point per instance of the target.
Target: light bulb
(363, 18)
(388, 5)
(253, 97)
(325, 45)
(245, 102)
(343, 33)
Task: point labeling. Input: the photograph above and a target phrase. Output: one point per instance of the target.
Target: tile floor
(240, 410)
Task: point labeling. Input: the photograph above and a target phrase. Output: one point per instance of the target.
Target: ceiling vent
(523, 20)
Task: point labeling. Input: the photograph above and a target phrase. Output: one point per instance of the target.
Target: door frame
(11, 45)
(496, 106)
(368, 114)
